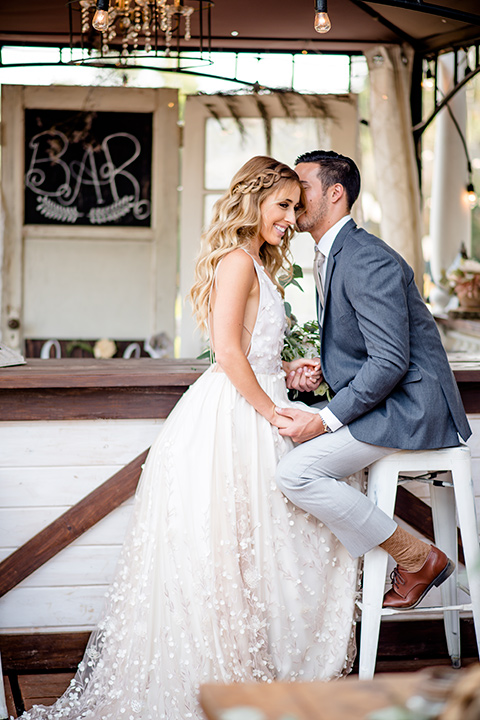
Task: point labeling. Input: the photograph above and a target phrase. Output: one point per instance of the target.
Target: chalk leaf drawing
(111, 213)
(53, 211)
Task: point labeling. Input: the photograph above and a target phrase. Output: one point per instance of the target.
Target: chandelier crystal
(137, 23)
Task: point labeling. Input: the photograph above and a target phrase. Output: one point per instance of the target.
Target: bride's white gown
(220, 577)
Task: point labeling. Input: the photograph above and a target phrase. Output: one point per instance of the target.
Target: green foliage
(303, 341)
(205, 355)
(81, 344)
(293, 280)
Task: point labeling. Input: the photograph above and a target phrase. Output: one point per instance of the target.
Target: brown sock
(407, 551)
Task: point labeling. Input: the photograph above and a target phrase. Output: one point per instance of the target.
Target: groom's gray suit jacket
(381, 350)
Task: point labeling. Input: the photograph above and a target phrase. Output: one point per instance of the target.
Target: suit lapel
(336, 248)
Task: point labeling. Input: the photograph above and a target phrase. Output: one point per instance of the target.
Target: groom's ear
(337, 192)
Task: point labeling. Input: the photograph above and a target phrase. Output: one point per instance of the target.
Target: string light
(471, 194)
(322, 22)
(428, 81)
(100, 19)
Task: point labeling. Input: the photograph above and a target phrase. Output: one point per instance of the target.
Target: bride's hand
(303, 374)
(279, 421)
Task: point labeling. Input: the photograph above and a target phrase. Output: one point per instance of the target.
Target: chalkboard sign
(88, 168)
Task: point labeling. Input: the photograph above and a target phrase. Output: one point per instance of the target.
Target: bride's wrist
(270, 414)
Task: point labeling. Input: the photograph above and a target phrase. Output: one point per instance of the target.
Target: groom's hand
(304, 425)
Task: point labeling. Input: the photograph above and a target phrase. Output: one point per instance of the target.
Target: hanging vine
(267, 122)
(231, 103)
(317, 106)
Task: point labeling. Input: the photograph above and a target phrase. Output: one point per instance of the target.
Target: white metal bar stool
(447, 496)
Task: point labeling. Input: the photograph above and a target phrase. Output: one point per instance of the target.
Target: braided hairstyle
(236, 221)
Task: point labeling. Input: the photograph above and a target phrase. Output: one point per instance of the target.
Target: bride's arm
(236, 284)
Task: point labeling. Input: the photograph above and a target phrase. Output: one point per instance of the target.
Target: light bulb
(322, 22)
(100, 20)
(471, 195)
(428, 81)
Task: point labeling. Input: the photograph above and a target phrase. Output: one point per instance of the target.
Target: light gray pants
(311, 477)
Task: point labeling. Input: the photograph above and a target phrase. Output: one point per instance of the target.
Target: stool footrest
(464, 607)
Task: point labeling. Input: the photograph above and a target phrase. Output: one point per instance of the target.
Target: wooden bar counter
(466, 369)
(134, 388)
(86, 389)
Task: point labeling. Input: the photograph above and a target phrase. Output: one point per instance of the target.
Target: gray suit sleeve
(377, 291)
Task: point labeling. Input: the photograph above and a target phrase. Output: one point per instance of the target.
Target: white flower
(251, 577)
(104, 349)
(92, 653)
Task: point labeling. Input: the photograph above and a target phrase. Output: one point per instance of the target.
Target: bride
(221, 578)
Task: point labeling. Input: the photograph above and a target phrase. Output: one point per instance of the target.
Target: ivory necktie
(317, 274)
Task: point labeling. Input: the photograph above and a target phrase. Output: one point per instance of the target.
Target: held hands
(279, 421)
(302, 426)
(303, 374)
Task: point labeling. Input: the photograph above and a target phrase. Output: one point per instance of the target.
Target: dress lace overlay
(220, 577)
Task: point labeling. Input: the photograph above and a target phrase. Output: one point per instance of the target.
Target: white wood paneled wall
(45, 468)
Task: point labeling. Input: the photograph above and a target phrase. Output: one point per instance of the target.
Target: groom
(382, 356)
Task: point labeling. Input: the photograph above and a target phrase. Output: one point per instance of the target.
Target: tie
(317, 274)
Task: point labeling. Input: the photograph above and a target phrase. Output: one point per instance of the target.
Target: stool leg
(374, 571)
(445, 531)
(382, 490)
(467, 520)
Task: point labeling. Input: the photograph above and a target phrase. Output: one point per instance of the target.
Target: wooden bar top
(89, 389)
(465, 367)
(346, 699)
(86, 388)
(87, 372)
(147, 372)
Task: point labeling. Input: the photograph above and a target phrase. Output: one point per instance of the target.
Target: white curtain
(390, 70)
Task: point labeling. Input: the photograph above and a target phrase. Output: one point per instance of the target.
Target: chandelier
(147, 25)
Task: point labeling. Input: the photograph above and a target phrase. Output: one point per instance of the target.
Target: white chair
(447, 495)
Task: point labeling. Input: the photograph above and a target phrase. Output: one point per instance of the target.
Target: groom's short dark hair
(335, 168)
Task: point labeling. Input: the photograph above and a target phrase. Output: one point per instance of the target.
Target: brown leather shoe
(409, 588)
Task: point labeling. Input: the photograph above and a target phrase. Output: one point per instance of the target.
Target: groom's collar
(327, 240)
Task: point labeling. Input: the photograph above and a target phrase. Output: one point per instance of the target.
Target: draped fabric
(390, 70)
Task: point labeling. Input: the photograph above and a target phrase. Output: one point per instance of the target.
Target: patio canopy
(277, 25)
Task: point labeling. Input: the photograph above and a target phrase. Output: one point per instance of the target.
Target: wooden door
(69, 273)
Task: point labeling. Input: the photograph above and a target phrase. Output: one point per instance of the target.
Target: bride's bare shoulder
(238, 262)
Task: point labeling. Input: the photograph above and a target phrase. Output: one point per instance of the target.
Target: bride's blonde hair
(236, 221)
